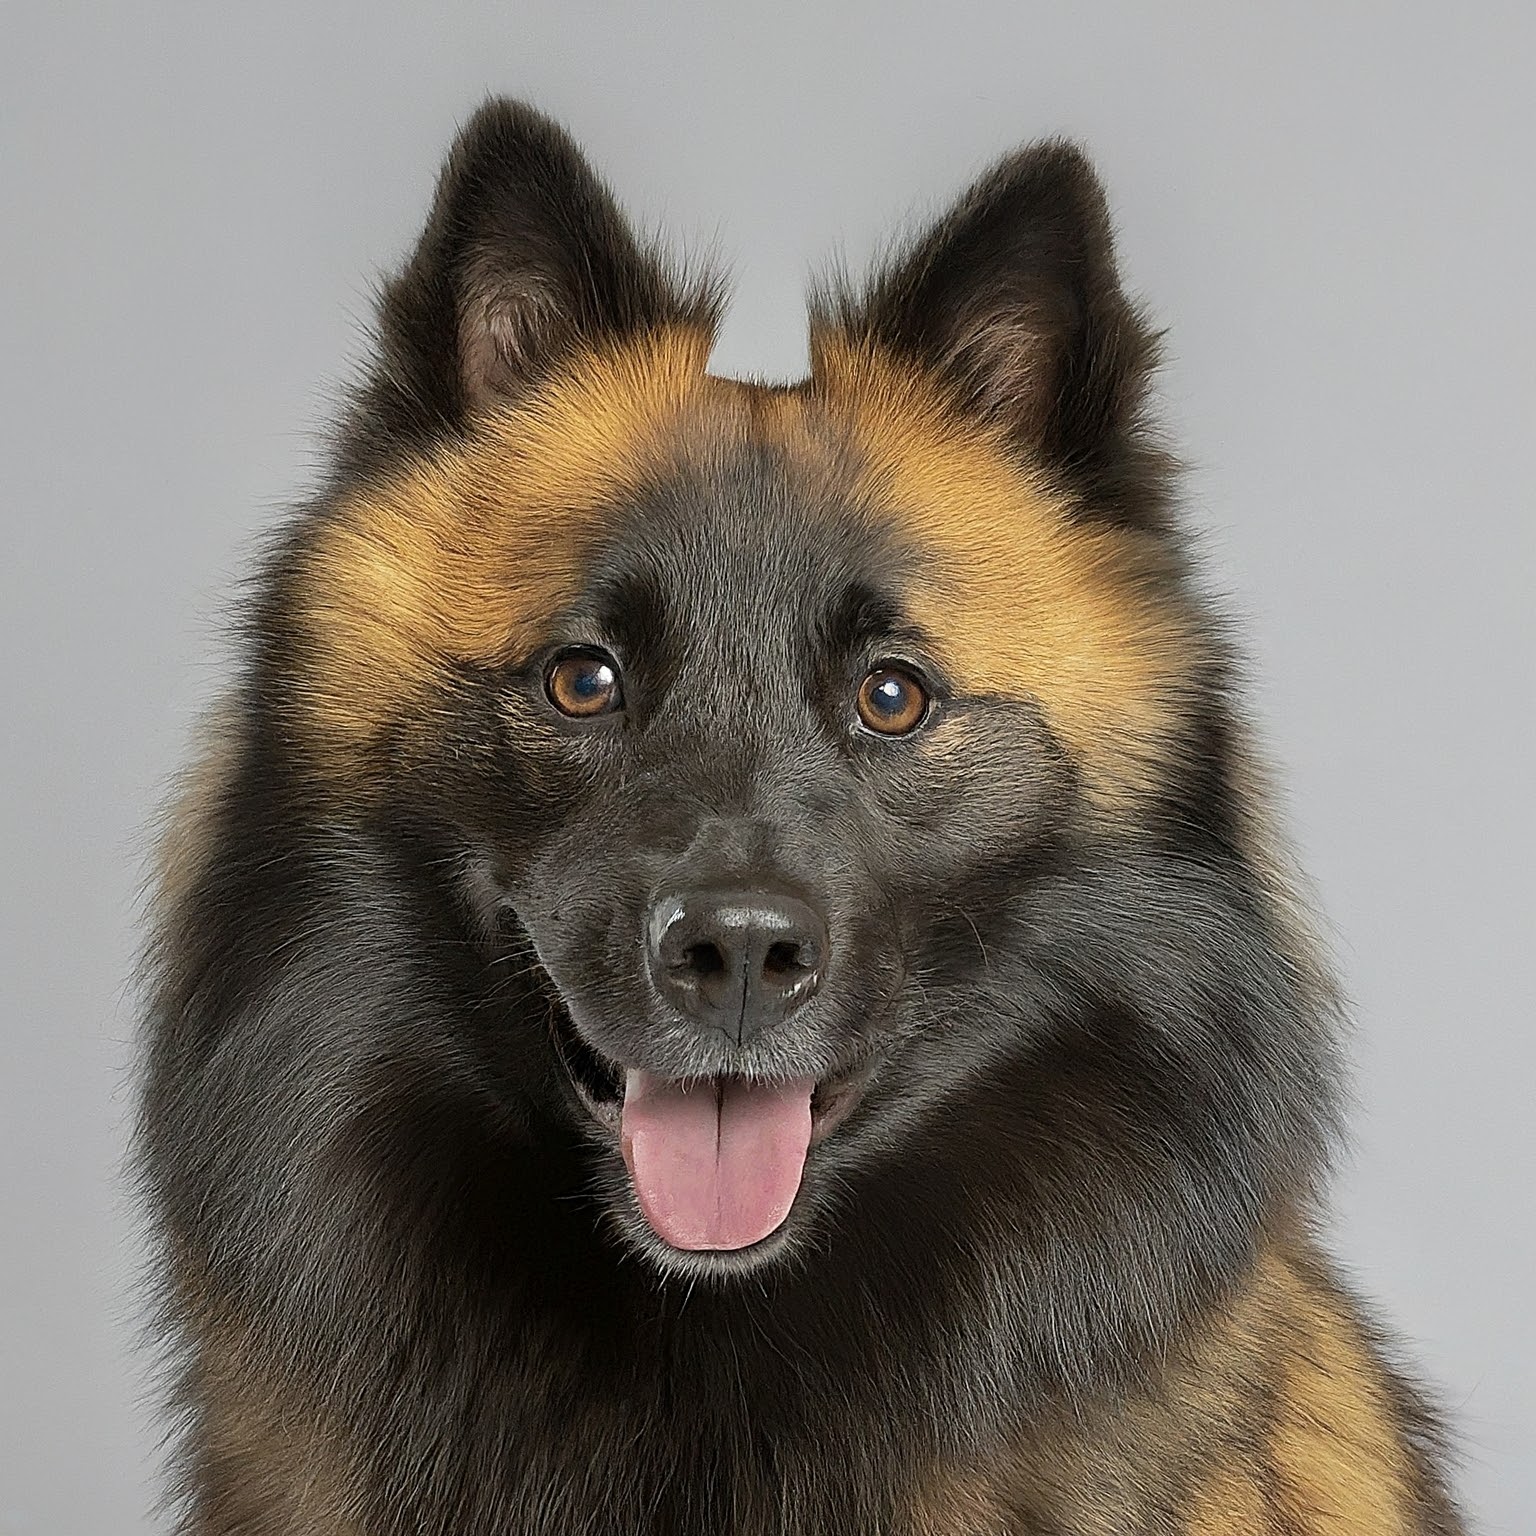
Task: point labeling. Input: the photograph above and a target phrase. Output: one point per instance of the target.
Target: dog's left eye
(584, 683)
(892, 702)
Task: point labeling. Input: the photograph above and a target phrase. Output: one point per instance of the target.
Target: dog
(724, 967)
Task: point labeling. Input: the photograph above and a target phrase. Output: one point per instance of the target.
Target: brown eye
(892, 702)
(584, 683)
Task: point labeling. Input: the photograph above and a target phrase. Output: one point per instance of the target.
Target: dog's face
(742, 713)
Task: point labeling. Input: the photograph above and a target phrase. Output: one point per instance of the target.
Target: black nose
(738, 961)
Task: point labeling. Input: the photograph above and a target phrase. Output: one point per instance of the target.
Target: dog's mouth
(715, 1162)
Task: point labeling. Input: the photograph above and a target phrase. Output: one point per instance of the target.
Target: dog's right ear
(525, 259)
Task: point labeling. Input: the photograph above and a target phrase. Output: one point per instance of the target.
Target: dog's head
(751, 724)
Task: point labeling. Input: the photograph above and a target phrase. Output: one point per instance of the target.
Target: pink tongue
(715, 1164)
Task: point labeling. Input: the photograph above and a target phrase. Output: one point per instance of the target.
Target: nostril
(786, 961)
(703, 959)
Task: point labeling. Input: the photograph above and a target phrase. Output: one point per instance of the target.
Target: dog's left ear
(525, 259)
(1014, 301)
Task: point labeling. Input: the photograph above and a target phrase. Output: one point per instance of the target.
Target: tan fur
(1230, 1502)
(267, 1465)
(1275, 1420)
(960, 1503)
(186, 822)
(1339, 1465)
(470, 553)
(1023, 600)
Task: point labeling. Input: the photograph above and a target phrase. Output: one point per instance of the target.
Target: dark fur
(401, 1265)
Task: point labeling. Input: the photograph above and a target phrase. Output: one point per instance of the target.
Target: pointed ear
(1013, 299)
(525, 258)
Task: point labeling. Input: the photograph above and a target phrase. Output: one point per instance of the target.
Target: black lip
(597, 1081)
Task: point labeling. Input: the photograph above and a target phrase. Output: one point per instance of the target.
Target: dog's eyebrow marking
(1021, 599)
(467, 555)
(860, 614)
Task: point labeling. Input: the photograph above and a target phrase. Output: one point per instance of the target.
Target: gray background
(1329, 204)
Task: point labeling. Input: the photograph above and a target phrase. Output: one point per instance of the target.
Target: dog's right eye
(584, 683)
